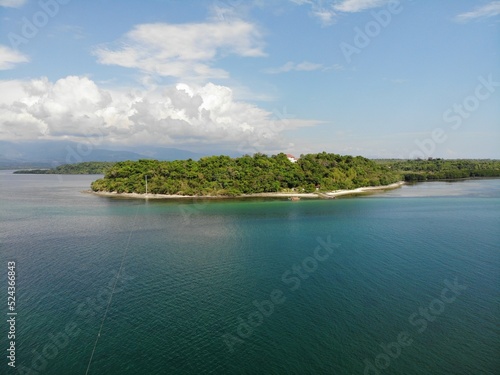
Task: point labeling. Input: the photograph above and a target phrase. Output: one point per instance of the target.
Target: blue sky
(378, 78)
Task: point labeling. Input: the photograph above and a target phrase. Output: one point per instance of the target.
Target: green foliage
(34, 171)
(440, 169)
(222, 175)
(92, 167)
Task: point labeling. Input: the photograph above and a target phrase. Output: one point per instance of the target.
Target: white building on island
(292, 158)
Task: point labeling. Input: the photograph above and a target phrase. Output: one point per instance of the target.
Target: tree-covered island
(323, 172)
(225, 176)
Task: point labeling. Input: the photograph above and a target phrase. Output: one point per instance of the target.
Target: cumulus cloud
(75, 108)
(488, 10)
(183, 51)
(12, 3)
(9, 58)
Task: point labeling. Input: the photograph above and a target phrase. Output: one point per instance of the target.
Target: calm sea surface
(404, 282)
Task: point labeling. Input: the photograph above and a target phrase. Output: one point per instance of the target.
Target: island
(92, 167)
(321, 175)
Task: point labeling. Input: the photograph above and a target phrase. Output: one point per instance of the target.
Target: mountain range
(50, 154)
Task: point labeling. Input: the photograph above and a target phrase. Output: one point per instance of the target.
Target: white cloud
(74, 108)
(354, 6)
(231, 10)
(489, 10)
(12, 3)
(334, 67)
(9, 58)
(320, 9)
(77, 32)
(291, 66)
(327, 11)
(183, 51)
(326, 16)
(305, 66)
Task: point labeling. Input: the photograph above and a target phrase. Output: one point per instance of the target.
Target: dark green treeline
(222, 175)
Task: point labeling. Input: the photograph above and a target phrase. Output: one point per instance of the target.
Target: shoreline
(318, 195)
(367, 189)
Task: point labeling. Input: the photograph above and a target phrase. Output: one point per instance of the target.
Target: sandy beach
(322, 195)
(361, 190)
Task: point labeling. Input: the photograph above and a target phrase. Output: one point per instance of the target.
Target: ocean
(402, 282)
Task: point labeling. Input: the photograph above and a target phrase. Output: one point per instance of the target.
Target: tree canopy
(441, 169)
(222, 175)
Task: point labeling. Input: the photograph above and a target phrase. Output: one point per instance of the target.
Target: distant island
(223, 176)
(92, 167)
(313, 174)
(442, 169)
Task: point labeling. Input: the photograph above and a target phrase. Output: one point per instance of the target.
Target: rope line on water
(112, 292)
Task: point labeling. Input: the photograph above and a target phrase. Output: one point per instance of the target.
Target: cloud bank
(75, 108)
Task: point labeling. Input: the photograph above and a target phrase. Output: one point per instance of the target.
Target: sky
(377, 78)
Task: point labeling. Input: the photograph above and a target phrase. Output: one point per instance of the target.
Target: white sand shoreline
(368, 189)
(325, 195)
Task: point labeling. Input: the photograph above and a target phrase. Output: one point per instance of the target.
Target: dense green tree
(222, 175)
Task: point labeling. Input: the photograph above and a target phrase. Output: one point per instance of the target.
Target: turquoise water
(192, 272)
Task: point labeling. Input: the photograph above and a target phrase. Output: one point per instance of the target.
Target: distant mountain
(49, 154)
(167, 153)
